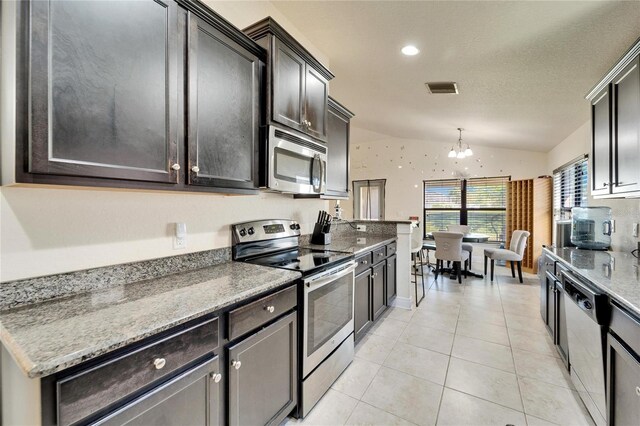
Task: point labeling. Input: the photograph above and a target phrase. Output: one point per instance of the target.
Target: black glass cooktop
(304, 260)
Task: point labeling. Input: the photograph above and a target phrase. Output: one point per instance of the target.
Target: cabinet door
(601, 143)
(391, 289)
(378, 287)
(561, 340)
(263, 375)
(551, 306)
(362, 317)
(543, 290)
(191, 398)
(103, 99)
(224, 116)
(316, 98)
(623, 387)
(288, 87)
(626, 129)
(337, 155)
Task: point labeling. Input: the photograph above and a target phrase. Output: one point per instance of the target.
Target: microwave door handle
(316, 167)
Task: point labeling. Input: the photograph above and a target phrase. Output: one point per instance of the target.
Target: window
(480, 203)
(368, 199)
(570, 187)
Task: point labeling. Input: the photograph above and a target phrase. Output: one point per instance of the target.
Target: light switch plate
(362, 228)
(635, 230)
(180, 238)
(613, 226)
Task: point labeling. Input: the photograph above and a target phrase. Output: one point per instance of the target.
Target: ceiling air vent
(442, 88)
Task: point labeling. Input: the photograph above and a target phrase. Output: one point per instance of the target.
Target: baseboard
(402, 302)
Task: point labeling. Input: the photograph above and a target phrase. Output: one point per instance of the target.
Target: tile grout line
(513, 358)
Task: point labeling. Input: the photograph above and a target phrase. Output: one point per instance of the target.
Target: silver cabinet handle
(364, 262)
(195, 169)
(236, 364)
(159, 363)
(270, 309)
(605, 184)
(176, 167)
(216, 377)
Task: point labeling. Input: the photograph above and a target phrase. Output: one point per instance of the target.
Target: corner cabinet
(615, 127)
(146, 94)
(338, 151)
(298, 83)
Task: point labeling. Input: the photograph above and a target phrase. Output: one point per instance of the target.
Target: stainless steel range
(326, 294)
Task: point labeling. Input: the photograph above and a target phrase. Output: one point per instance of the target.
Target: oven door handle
(331, 276)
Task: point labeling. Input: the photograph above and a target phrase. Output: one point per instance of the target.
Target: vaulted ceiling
(522, 68)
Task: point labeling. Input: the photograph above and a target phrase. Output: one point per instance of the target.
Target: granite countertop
(353, 243)
(617, 273)
(51, 336)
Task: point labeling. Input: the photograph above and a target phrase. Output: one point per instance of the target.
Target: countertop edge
(36, 371)
(634, 310)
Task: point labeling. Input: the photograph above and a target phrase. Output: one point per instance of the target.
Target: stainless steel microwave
(295, 164)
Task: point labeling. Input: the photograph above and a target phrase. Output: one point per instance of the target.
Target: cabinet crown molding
(269, 26)
(625, 60)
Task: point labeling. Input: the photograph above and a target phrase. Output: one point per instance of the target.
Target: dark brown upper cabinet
(103, 81)
(149, 94)
(615, 127)
(338, 151)
(298, 84)
(223, 109)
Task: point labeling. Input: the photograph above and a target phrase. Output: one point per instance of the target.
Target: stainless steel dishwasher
(587, 313)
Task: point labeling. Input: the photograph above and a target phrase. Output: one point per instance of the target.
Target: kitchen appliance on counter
(293, 163)
(591, 227)
(562, 236)
(587, 316)
(326, 293)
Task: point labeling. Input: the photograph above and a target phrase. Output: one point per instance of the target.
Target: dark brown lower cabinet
(191, 398)
(392, 289)
(378, 282)
(362, 317)
(263, 375)
(623, 390)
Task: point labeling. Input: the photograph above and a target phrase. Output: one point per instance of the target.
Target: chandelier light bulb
(452, 153)
(461, 155)
(468, 152)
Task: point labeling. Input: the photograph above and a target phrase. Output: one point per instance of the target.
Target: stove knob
(292, 226)
(250, 231)
(243, 232)
(297, 226)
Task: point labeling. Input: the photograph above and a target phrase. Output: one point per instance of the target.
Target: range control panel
(262, 230)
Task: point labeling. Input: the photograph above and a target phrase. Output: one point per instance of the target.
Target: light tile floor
(471, 354)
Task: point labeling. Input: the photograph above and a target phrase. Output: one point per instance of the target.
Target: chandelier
(457, 151)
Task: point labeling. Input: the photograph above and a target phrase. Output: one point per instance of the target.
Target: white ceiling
(522, 68)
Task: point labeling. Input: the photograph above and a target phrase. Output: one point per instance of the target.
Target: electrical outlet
(362, 228)
(635, 230)
(180, 238)
(613, 226)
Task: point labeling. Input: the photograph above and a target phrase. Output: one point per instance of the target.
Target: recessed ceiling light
(410, 50)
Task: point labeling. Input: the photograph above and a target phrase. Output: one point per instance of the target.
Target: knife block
(321, 234)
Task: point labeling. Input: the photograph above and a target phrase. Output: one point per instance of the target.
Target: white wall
(52, 230)
(624, 211)
(376, 156)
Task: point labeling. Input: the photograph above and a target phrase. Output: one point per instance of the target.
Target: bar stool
(416, 256)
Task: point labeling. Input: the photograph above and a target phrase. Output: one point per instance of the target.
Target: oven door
(296, 165)
(328, 314)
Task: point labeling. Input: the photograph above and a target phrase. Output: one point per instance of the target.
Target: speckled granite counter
(617, 273)
(354, 243)
(50, 336)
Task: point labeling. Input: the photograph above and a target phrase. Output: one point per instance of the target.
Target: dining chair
(416, 256)
(465, 229)
(515, 253)
(449, 248)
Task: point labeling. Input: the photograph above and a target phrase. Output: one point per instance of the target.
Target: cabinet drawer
(363, 263)
(626, 327)
(379, 254)
(253, 315)
(104, 385)
(391, 249)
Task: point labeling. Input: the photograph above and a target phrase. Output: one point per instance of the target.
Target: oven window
(330, 308)
(292, 167)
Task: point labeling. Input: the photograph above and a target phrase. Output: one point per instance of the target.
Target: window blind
(570, 187)
(443, 194)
